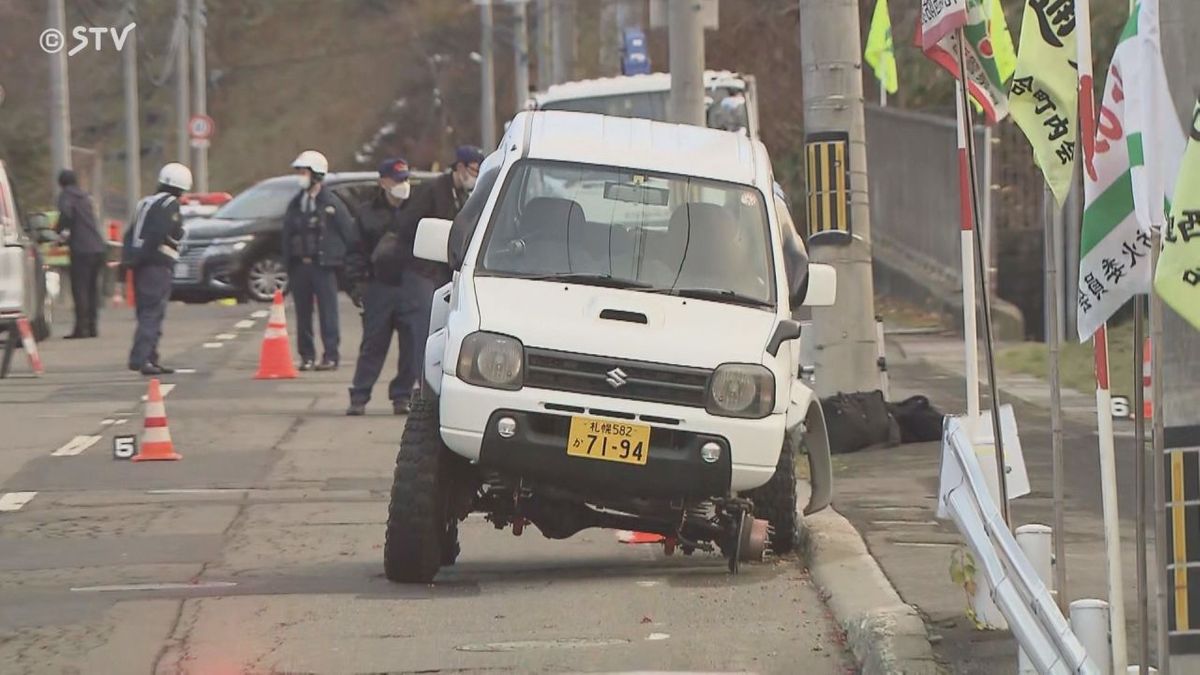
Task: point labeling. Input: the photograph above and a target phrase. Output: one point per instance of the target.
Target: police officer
(77, 218)
(151, 248)
(318, 237)
(388, 289)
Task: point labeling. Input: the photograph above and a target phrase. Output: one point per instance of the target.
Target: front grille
(188, 267)
(642, 381)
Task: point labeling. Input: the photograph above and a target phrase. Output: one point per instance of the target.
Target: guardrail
(1034, 618)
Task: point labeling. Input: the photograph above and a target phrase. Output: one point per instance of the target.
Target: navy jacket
(330, 222)
(153, 237)
(77, 217)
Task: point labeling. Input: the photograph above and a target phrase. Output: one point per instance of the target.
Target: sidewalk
(889, 495)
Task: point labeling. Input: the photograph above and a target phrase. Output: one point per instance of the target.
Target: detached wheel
(266, 275)
(776, 502)
(421, 535)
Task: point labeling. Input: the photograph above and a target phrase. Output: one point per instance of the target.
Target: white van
(23, 288)
(616, 348)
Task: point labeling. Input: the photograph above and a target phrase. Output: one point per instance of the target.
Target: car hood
(213, 228)
(678, 331)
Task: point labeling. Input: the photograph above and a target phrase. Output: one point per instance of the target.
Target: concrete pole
(182, 106)
(1173, 340)
(133, 134)
(487, 73)
(686, 38)
(545, 44)
(610, 39)
(563, 59)
(200, 83)
(60, 97)
(520, 55)
(830, 53)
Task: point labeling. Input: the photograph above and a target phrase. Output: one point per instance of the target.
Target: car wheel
(776, 502)
(265, 276)
(421, 535)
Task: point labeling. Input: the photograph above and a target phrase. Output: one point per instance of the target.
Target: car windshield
(726, 107)
(268, 199)
(635, 229)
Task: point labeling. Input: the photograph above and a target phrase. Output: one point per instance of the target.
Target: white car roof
(642, 144)
(628, 84)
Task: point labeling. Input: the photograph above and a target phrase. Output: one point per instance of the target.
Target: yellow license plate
(610, 440)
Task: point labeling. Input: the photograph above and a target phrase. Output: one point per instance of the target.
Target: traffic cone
(1147, 404)
(29, 345)
(156, 437)
(275, 357)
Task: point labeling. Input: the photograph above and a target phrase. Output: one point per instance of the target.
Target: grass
(1077, 363)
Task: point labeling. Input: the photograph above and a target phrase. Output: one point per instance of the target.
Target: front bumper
(207, 273)
(468, 414)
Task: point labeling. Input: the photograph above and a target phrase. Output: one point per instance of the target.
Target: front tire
(265, 275)
(416, 542)
(776, 502)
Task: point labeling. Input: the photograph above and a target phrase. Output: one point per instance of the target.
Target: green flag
(1002, 43)
(938, 38)
(1177, 278)
(1044, 93)
(881, 54)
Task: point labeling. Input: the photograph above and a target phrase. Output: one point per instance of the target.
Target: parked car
(24, 287)
(583, 370)
(235, 252)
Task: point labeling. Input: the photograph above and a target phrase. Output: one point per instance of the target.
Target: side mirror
(433, 238)
(822, 286)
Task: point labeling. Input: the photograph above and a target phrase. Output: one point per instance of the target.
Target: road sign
(124, 447)
(201, 128)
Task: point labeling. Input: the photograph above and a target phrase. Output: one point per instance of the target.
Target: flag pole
(1158, 468)
(967, 245)
(1139, 483)
(1054, 224)
(964, 105)
(1107, 451)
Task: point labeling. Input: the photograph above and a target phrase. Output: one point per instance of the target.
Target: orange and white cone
(29, 345)
(156, 437)
(275, 358)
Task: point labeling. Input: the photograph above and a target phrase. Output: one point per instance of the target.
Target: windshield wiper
(583, 278)
(715, 294)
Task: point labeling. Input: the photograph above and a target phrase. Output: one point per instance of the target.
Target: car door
(17, 262)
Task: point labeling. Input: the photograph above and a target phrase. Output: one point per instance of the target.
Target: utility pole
(200, 82)
(520, 54)
(830, 53)
(60, 97)
(1177, 375)
(487, 71)
(545, 44)
(182, 108)
(564, 40)
(133, 134)
(686, 47)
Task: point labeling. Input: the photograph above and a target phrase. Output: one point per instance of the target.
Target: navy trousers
(403, 310)
(308, 282)
(152, 292)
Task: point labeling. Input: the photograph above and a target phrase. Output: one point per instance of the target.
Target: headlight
(492, 360)
(741, 390)
(232, 243)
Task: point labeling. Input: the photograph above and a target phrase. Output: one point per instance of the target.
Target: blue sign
(634, 58)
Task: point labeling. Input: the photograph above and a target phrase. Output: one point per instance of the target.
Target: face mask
(401, 191)
(304, 181)
(468, 182)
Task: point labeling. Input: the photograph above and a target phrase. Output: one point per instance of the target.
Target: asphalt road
(260, 551)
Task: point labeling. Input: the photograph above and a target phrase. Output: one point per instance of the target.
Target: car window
(664, 231)
(463, 229)
(268, 199)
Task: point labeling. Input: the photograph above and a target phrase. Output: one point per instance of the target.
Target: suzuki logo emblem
(616, 378)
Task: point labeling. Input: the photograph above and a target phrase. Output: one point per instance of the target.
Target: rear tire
(418, 542)
(776, 502)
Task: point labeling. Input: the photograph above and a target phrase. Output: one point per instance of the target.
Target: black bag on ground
(919, 421)
(859, 420)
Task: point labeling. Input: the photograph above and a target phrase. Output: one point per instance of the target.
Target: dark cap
(468, 154)
(394, 168)
(66, 178)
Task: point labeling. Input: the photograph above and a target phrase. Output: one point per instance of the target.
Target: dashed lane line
(244, 324)
(213, 345)
(226, 336)
(201, 585)
(13, 501)
(260, 314)
(75, 446)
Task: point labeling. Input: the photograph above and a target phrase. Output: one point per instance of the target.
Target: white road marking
(75, 446)
(186, 371)
(213, 345)
(226, 336)
(193, 491)
(13, 501)
(244, 324)
(657, 636)
(647, 584)
(154, 587)
(260, 314)
(164, 389)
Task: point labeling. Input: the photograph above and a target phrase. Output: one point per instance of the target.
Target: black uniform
(318, 238)
(151, 248)
(393, 299)
(78, 219)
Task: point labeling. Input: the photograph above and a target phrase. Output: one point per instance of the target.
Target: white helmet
(175, 175)
(313, 161)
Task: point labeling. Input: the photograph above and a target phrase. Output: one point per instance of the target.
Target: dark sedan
(235, 251)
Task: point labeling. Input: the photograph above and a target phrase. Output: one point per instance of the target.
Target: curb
(885, 635)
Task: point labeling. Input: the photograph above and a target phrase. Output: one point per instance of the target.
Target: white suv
(616, 348)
